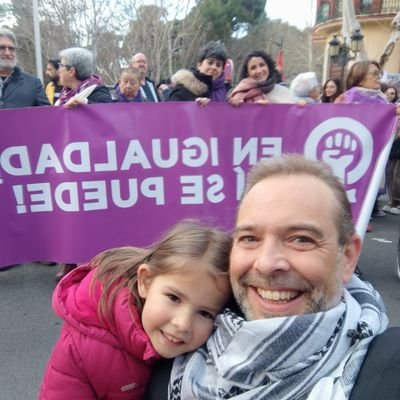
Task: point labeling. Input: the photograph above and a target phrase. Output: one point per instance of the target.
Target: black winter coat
(100, 95)
(189, 85)
(23, 90)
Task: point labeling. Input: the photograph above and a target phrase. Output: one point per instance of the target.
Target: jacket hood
(78, 306)
(192, 80)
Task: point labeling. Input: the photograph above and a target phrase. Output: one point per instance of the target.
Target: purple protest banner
(75, 182)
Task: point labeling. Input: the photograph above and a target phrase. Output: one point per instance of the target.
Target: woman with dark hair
(204, 83)
(331, 90)
(259, 82)
(392, 94)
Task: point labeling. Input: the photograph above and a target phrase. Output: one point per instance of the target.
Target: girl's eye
(206, 314)
(173, 298)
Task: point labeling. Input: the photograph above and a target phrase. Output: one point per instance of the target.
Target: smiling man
(292, 252)
(17, 88)
(306, 321)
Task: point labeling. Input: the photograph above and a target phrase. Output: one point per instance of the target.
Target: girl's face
(180, 308)
(129, 85)
(211, 67)
(390, 95)
(257, 69)
(330, 89)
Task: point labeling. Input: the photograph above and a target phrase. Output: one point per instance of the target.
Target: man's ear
(144, 278)
(351, 253)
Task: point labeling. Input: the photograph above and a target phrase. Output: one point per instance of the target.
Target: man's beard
(8, 64)
(317, 301)
(55, 80)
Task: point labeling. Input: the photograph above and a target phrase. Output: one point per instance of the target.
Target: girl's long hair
(339, 91)
(186, 241)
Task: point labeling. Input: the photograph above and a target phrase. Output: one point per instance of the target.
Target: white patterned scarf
(311, 356)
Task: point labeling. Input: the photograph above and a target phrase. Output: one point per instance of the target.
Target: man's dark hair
(55, 62)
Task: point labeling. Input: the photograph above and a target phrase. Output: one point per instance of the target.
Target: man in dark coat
(17, 89)
(148, 89)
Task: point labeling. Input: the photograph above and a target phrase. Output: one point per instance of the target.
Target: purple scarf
(67, 93)
(123, 99)
(218, 90)
(359, 95)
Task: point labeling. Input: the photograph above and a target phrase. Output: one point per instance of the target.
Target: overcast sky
(300, 13)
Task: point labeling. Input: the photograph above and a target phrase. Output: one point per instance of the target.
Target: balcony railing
(386, 6)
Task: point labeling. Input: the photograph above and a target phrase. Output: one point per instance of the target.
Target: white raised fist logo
(346, 145)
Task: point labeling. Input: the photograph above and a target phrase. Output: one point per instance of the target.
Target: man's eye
(206, 314)
(247, 239)
(303, 239)
(303, 242)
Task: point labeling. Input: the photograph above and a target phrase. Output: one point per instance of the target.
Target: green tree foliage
(5, 13)
(226, 18)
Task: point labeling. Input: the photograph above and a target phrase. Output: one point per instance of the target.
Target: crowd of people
(276, 311)
(73, 81)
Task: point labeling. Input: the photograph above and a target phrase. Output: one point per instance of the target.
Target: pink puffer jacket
(93, 359)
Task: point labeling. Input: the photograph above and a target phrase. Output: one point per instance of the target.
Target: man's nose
(272, 257)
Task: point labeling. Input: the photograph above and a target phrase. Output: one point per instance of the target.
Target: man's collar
(7, 72)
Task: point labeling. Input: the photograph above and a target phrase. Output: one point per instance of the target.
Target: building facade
(375, 18)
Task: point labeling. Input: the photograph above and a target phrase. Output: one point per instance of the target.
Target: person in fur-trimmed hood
(207, 82)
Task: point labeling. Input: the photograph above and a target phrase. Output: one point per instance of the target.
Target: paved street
(28, 328)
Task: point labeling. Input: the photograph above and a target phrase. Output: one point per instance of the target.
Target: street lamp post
(38, 46)
(341, 52)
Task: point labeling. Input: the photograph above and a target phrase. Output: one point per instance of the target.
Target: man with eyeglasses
(148, 89)
(17, 88)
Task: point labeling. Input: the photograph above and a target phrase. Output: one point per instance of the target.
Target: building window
(339, 8)
(325, 10)
(366, 6)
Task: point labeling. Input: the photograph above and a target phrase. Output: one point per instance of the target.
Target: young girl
(129, 306)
